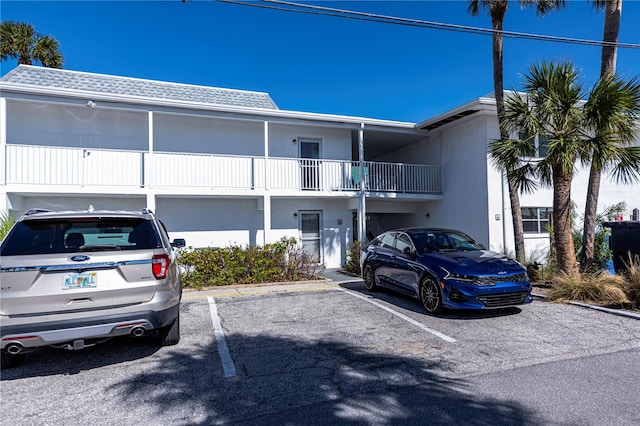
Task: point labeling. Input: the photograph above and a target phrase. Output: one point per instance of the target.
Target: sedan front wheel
(430, 295)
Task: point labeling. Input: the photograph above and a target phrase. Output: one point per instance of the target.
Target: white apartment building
(223, 167)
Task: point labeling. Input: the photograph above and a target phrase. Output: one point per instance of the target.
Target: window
(52, 236)
(387, 240)
(535, 220)
(542, 145)
(540, 142)
(403, 242)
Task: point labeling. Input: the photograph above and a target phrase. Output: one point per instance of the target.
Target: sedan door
(381, 258)
(406, 271)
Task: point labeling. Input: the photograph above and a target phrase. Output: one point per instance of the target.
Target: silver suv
(72, 279)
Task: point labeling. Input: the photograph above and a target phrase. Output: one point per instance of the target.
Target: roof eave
(141, 100)
(479, 104)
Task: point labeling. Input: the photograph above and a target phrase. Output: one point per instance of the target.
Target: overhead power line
(372, 17)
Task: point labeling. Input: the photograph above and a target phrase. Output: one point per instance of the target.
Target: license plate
(86, 280)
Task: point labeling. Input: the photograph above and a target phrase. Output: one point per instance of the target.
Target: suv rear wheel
(11, 360)
(170, 334)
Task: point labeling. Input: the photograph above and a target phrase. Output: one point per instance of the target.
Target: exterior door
(310, 235)
(310, 164)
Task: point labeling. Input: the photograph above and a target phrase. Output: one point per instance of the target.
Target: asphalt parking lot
(332, 353)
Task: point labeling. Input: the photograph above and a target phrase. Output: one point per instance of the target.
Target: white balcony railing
(41, 165)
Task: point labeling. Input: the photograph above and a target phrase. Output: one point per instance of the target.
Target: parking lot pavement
(332, 353)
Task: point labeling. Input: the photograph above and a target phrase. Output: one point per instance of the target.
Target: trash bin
(625, 238)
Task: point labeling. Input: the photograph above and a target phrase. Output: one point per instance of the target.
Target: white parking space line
(228, 367)
(402, 316)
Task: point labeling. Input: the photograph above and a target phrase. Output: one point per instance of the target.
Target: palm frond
(626, 168)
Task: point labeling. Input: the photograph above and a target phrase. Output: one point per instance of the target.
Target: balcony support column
(147, 168)
(267, 184)
(362, 213)
(266, 215)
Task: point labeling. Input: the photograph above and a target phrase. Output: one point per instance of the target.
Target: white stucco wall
(20, 204)
(36, 123)
(212, 222)
(184, 133)
(336, 237)
(464, 176)
(335, 143)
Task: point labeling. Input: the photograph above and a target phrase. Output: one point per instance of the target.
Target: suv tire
(170, 334)
(10, 360)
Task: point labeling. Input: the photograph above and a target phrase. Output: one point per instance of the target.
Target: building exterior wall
(465, 193)
(47, 124)
(202, 134)
(334, 143)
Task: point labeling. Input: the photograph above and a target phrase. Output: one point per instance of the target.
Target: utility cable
(372, 17)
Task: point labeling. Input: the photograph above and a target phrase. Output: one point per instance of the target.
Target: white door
(310, 164)
(310, 234)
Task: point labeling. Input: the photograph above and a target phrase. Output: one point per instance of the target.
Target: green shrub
(277, 262)
(352, 263)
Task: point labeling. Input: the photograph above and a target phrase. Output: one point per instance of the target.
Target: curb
(619, 312)
(608, 310)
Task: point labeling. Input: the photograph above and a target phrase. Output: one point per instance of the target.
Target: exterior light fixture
(91, 104)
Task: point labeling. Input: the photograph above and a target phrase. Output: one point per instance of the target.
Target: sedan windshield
(439, 241)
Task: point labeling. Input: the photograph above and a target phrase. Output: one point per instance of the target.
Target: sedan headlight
(471, 279)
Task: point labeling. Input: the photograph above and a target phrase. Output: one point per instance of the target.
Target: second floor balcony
(60, 166)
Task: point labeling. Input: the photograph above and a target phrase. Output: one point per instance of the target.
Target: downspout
(362, 214)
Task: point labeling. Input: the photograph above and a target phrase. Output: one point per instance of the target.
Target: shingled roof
(127, 86)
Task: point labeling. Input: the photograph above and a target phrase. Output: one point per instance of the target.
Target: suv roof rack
(34, 211)
(146, 211)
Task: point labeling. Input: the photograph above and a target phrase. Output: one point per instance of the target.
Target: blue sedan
(444, 268)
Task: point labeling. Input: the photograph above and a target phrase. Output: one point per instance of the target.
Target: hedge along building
(223, 166)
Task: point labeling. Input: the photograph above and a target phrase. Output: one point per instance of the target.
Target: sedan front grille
(519, 278)
(503, 300)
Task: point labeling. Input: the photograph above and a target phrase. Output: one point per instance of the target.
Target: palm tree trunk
(613, 13)
(563, 237)
(590, 214)
(497, 18)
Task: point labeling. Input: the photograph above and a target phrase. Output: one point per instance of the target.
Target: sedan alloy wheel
(430, 295)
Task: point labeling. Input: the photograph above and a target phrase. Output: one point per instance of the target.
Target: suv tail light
(160, 265)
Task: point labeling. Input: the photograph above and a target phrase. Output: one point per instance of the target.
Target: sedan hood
(476, 262)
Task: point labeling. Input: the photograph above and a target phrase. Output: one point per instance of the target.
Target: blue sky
(318, 63)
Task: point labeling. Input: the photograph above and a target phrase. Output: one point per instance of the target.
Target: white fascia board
(276, 113)
(482, 103)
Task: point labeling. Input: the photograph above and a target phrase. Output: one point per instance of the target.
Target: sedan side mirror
(409, 252)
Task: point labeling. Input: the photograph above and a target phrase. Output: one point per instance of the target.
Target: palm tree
(19, 40)
(497, 10)
(551, 106)
(613, 12)
(612, 114)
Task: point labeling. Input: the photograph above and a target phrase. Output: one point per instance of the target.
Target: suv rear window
(49, 236)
